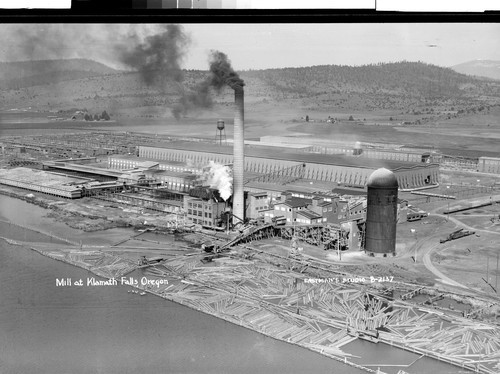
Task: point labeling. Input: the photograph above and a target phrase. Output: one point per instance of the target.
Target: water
(30, 215)
(49, 329)
(391, 360)
(20, 234)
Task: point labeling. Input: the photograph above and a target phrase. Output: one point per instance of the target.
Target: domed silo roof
(382, 178)
(357, 145)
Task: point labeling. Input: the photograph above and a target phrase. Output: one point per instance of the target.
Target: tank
(220, 125)
(357, 149)
(381, 213)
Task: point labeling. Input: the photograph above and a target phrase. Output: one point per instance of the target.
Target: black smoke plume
(158, 58)
(221, 75)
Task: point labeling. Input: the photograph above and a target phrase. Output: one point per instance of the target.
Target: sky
(261, 46)
(257, 46)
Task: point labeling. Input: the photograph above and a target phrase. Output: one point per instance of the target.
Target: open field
(480, 255)
(473, 132)
(272, 119)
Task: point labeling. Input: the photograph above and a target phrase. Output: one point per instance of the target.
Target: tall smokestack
(239, 156)
(224, 75)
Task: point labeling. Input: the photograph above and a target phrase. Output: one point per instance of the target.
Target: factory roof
(177, 174)
(308, 214)
(327, 195)
(355, 203)
(302, 188)
(289, 155)
(413, 146)
(42, 178)
(148, 164)
(263, 193)
(489, 158)
(350, 191)
(295, 202)
(206, 193)
(274, 145)
(144, 159)
(309, 140)
(130, 176)
(83, 168)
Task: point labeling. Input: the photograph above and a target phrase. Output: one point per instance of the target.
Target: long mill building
(339, 169)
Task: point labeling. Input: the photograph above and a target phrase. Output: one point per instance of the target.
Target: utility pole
(338, 245)
(491, 203)
(413, 231)
(487, 267)
(496, 274)
(447, 198)
(416, 242)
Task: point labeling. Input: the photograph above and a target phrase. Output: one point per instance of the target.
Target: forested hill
(400, 78)
(20, 74)
(402, 86)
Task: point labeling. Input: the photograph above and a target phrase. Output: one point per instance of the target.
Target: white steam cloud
(220, 177)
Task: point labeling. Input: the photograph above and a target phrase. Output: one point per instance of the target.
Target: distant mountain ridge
(20, 74)
(480, 68)
(402, 86)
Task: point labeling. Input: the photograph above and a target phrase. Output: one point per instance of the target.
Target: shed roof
(148, 164)
(308, 214)
(287, 155)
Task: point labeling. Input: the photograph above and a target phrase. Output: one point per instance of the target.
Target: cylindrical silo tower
(381, 213)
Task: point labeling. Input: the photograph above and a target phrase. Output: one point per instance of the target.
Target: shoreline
(182, 302)
(186, 302)
(56, 209)
(247, 325)
(172, 297)
(76, 215)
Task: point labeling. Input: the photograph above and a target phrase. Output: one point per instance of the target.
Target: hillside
(405, 87)
(479, 68)
(22, 74)
(402, 78)
(402, 86)
(413, 79)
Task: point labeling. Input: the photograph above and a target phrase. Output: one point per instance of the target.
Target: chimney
(239, 157)
(316, 201)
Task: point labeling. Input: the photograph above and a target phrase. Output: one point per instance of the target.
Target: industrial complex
(323, 219)
(344, 200)
(284, 181)
(280, 184)
(282, 229)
